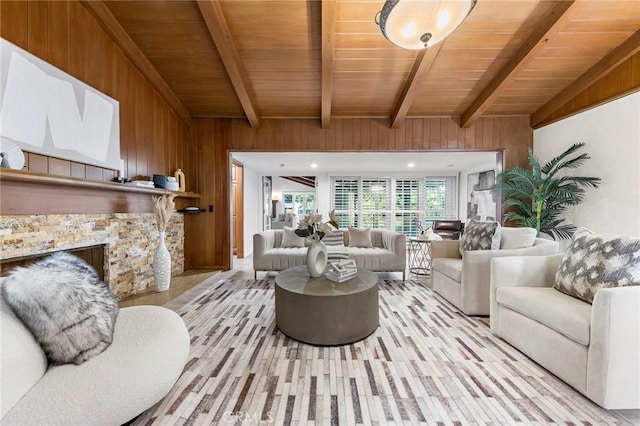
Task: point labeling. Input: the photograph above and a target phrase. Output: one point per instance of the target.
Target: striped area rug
(426, 364)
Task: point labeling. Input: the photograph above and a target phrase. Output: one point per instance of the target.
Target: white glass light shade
(417, 24)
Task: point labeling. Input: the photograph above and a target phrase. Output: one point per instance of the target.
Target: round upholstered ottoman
(322, 312)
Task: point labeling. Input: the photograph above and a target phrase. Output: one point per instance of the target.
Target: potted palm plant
(538, 197)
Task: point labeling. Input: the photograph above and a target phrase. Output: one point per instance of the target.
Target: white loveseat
(594, 348)
(149, 350)
(388, 254)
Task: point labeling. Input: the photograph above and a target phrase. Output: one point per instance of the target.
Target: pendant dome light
(418, 24)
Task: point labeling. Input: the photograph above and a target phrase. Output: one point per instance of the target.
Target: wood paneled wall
(621, 81)
(153, 139)
(215, 138)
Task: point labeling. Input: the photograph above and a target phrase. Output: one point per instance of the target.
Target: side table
(419, 256)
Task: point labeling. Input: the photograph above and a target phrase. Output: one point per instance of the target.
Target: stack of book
(341, 271)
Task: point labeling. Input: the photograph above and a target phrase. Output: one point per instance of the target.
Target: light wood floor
(179, 284)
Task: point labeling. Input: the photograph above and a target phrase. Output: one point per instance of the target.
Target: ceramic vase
(162, 266)
(316, 258)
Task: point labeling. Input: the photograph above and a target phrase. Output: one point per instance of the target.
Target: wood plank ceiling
(310, 59)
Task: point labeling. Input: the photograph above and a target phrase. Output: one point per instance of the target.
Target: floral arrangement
(425, 234)
(163, 208)
(313, 229)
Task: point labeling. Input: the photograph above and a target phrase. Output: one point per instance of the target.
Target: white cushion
(517, 238)
(452, 268)
(149, 351)
(23, 361)
(564, 314)
(290, 239)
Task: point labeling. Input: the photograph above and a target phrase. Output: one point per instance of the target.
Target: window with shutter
(394, 203)
(345, 196)
(376, 203)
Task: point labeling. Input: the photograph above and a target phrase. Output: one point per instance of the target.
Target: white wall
(612, 136)
(252, 208)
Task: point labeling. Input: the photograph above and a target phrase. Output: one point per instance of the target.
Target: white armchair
(595, 348)
(464, 281)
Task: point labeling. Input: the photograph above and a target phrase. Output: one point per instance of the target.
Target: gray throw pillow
(480, 236)
(67, 308)
(333, 238)
(360, 237)
(594, 261)
(290, 239)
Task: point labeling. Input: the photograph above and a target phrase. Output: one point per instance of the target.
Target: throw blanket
(335, 253)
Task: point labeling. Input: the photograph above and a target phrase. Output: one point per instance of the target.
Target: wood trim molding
(23, 192)
(627, 49)
(213, 15)
(328, 45)
(419, 72)
(111, 25)
(550, 25)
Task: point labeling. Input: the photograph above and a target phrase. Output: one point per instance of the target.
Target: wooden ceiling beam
(328, 45)
(419, 71)
(111, 25)
(627, 49)
(550, 25)
(213, 15)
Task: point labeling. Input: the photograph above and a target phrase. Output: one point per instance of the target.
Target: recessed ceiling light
(411, 165)
(314, 165)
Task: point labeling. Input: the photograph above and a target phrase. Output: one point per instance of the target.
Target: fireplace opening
(93, 255)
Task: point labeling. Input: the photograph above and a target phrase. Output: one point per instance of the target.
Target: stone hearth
(130, 241)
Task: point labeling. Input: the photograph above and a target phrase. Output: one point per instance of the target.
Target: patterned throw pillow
(594, 261)
(290, 239)
(480, 236)
(333, 238)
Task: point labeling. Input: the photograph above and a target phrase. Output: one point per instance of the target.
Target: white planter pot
(162, 266)
(316, 258)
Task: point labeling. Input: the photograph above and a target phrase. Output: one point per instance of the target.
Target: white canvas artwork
(47, 111)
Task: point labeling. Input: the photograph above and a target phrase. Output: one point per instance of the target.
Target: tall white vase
(162, 266)
(316, 258)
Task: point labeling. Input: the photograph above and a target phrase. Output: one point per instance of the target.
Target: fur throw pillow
(61, 300)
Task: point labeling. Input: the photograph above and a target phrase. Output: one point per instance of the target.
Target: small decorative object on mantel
(313, 229)
(192, 209)
(11, 156)
(164, 207)
(122, 175)
(179, 175)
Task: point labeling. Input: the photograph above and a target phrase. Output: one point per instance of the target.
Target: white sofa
(388, 254)
(594, 348)
(149, 350)
(464, 280)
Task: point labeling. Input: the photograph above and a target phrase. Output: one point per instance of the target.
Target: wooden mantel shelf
(24, 192)
(40, 178)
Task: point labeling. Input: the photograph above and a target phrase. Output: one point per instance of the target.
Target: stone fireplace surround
(130, 241)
